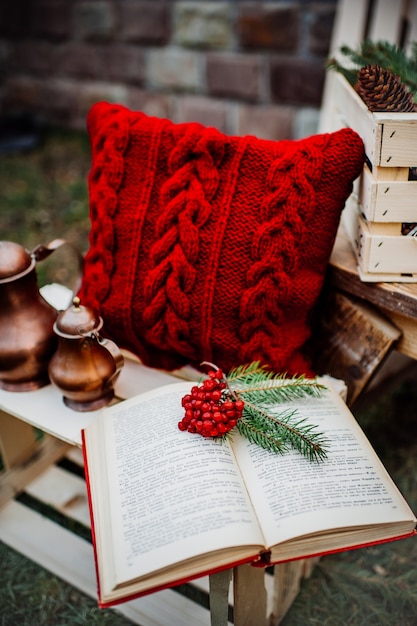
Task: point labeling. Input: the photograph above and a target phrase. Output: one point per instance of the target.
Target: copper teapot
(27, 340)
(85, 366)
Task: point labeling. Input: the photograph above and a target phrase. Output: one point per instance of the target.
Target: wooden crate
(383, 251)
(385, 194)
(390, 138)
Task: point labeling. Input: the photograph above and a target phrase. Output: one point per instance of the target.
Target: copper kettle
(27, 340)
(85, 366)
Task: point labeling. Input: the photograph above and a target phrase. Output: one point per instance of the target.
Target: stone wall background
(245, 67)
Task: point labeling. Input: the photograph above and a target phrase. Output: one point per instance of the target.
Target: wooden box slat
(381, 252)
(393, 200)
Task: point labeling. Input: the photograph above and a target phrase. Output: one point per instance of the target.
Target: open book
(168, 506)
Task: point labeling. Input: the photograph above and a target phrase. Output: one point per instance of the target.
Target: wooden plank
(399, 140)
(219, 597)
(411, 17)
(354, 113)
(63, 491)
(372, 277)
(343, 274)
(348, 28)
(349, 24)
(386, 21)
(250, 604)
(383, 253)
(287, 580)
(17, 440)
(48, 544)
(45, 409)
(71, 558)
(391, 173)
(203, 584)
(16, 478)
(75, 455)
(352, 339)
(408, 342)
(384, 228)
(392, 200)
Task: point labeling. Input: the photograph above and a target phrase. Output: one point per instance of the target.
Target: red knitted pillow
(205, 247)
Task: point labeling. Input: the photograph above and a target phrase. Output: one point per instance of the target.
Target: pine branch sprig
(279, 432)
(260, 389)
(254, 382)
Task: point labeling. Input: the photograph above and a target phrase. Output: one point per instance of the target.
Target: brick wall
(244, 67)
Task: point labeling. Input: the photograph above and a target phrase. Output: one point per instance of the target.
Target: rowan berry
(210, 410)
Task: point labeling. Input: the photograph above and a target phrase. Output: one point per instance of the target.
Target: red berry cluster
(209, 409)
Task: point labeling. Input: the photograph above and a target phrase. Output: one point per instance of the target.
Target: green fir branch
(260, 438)
(281, 431)
(275, 392)
(256, 383)
(260, 389)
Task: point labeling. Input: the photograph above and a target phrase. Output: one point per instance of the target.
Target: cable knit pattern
(186, 205)
(209, 247)
(104, 181)
(283, 223)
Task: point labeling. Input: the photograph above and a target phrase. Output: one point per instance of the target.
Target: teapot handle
(114, 351)
(42, 252)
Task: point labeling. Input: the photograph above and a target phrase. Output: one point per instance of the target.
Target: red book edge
(90, 506)
(258, 560)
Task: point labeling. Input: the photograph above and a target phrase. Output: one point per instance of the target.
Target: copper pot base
(91, 405)
(28, 385)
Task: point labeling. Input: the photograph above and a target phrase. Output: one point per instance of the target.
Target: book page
(171, 494)
(296, 497)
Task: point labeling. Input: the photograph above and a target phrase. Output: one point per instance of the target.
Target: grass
(31, 596)
(43, 195)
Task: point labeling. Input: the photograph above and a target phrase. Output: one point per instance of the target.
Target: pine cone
(381, 91)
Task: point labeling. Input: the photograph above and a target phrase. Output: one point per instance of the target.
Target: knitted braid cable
(186, 201)
(274, 253)
(105, 179)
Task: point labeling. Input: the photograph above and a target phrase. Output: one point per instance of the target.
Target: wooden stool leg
(287, 579)
(23, 457)
(17, 440)
(249, 596)
(219, 597)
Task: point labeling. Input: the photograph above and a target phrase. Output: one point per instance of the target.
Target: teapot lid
(77, 321)
(14, 259)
